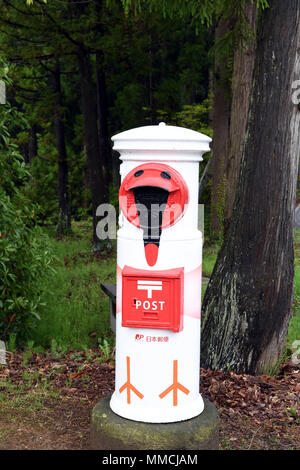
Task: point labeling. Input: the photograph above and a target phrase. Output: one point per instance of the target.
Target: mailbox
(159, 259)
(142, 309)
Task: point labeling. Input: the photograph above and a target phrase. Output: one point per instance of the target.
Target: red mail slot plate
(152, 299)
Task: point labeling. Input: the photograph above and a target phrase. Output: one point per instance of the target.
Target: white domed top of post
(155, 142)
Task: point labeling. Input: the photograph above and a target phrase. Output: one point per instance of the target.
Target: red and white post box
(159, 258)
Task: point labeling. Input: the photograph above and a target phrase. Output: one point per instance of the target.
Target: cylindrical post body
(158, 355)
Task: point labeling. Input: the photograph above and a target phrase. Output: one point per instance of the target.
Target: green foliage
(24, 252)
(196, 117)
(150, 62)
(107, 350)
(210, 253)
(12, 343)
(41, 188)
(201, 11)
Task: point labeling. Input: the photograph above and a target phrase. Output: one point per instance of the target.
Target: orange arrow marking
(175, 386)
(127, 385)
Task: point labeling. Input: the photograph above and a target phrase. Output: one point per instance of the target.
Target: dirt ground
(46, 403)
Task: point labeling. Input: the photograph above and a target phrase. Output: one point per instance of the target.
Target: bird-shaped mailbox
(159, 258)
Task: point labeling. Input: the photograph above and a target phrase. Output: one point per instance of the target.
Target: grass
(210, 252)
(76, 313)
(294, 327)
(24, 396)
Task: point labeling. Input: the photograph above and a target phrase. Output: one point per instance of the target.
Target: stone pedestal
(111, 432)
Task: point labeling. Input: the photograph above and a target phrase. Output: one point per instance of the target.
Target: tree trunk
(248, 302)
(116, 178)
(64, 221)
(95, 161)
(204, 179)
(29, 150)
(104, 142)
(243, 65)
(86, 185)
(221, 121)
(32, 143)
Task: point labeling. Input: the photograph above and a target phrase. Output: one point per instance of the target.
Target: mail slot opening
(152, 197)
(151, 202)
(150, 314)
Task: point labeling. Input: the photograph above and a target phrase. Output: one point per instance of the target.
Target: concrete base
(111, 432)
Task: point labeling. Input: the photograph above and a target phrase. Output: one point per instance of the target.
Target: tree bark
(32, 143)
(64, 221)
(95, 161)
(248, 302)
(204, 179)
(104, 142)
(29, 150)
(221, 122)
(243, 65)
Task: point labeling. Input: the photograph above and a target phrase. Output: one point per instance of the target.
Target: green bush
(24, 254)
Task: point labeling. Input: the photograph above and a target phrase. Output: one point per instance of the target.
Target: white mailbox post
(159, 258)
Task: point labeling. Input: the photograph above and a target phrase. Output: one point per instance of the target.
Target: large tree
(64, 221)
(248, 302)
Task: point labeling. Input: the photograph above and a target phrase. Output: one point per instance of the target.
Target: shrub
(25, 257)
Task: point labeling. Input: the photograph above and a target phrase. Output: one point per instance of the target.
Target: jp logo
(296, 352)
(139, 337)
